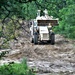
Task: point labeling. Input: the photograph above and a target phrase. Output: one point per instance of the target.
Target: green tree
(67, 23)
(27, 9)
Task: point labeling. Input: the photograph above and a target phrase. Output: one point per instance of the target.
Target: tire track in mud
(46, 58)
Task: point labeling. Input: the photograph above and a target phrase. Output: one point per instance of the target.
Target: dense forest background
(13, 10)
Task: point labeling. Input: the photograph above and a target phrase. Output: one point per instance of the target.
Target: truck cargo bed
(47, 22)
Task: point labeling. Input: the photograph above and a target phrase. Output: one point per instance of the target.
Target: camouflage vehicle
(41, 28)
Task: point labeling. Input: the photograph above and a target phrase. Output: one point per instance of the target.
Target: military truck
(41, 28)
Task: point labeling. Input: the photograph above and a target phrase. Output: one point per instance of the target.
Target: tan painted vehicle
(41, 28)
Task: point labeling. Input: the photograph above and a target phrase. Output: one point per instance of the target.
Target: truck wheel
(35, 39)
(52, 38)
(49, 41)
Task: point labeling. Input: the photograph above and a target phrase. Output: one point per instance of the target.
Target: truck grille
(45, 37)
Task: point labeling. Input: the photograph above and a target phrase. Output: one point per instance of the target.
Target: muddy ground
(44, 58)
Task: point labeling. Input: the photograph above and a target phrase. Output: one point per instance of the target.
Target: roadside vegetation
(16, 69)
(67, 22)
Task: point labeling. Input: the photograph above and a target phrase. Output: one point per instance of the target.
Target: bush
(4, 43)
(15, 69)
(67, 22)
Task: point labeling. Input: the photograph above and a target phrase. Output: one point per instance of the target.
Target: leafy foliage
(67, 23)
(19, 8)
(27, 9)
(15, 69)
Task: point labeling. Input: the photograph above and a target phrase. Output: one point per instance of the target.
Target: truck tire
(49, 41)
(35, 39)
(52, 39)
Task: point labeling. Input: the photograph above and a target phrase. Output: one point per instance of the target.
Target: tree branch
(25, 1)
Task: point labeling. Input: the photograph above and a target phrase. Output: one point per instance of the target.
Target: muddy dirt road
(44, 58)
(58, 59)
